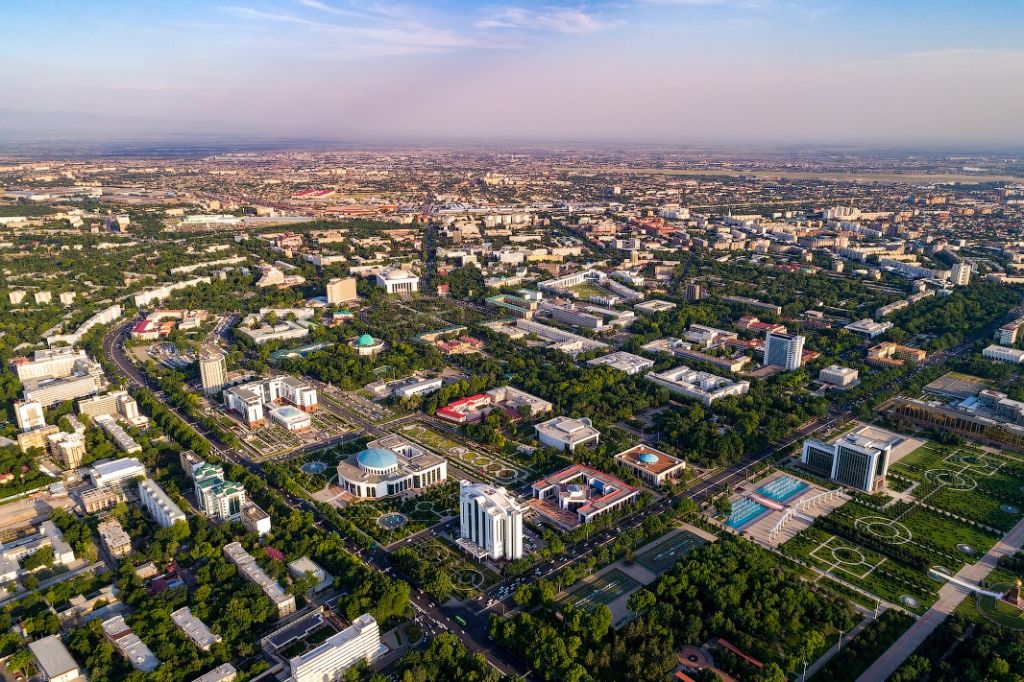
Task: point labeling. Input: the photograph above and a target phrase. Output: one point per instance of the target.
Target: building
(121, 438)
(784, 350)
(54, 659)
(566, 433)
(341, 290)
(390, 466)
(117, 404)
(219, 499)
(1004, 354)
(52, 363)
(961, 274)
(358, 642)
(653, 307)
(36, 438)
(194, 629)
(303, 565)
(852, 460)
(117, 473)
(252, 572)
(554, 338)
(128, 643)
(100, 499)
(222, 673)
(513, 402)
(889, 354)
(284, 330)
(161, 507)
(367, 346)
(702, 386)
(1007, 334)
(490, 522)
(398, 281)
(417, 387)
(868, 328)
(114, 539)
(29, 415)
(213, 369)
(579, 494)
(694, 291)
(652, 466)
(837, 375)
(52, 391)
(254, 519)
(623, 361)
(68, 448)
(249, 400)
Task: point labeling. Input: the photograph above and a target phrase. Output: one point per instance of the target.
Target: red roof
(739, 652)
(274, 554)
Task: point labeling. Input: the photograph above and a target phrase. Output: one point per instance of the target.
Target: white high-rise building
(961, 274)
(213, 369)
(784, 350)
(29, 415)
(341, 290)
(491, 519)
(359, 642)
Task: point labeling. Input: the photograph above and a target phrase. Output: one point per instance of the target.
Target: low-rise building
(1004, 354)
(161, 507)
(224, 672)
(702, 386)
(194, 628)
(868, 328)
(390, 466)
(124, 442)
(114, 539)
(566, 433)
(100, 499)
(128, 643)
(254, 519)
(579, 494)
(623, 361)
(889, 354)
(303, 565)
(837, 375)
(117, 473)
(55, 661)
(252, 572)
(652, 466)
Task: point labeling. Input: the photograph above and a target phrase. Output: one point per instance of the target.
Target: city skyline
(669, 71)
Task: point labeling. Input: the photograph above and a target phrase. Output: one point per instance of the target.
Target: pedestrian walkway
(950, 597)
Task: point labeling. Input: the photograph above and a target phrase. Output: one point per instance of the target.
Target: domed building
(390, 466)
(398, 281)
(367, 345)
(653, 466)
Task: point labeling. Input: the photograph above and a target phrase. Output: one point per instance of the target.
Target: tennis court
(660, 558)
(601, 589)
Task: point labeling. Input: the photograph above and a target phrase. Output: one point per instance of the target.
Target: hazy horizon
(933, 74)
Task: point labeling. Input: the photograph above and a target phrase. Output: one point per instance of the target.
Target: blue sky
(659, 70)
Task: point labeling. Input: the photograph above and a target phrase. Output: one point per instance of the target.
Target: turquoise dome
(648, 458)
(366, 340)
(377, 458)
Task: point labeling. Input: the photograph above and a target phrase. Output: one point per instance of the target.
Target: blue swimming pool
(782, 488)
(743, 512)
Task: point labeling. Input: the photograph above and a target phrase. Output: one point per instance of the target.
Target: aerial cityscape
(368, 342)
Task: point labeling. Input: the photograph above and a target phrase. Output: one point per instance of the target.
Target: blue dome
(377, 458)
(366, 340)
(648, 458)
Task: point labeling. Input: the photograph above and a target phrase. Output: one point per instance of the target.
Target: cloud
(556, 19)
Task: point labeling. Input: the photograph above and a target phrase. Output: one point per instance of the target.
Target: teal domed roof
(366, 340)
(377, 458)
(648, 458)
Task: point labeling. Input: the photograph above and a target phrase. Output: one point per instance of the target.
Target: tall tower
(213, 369)
(784, 350)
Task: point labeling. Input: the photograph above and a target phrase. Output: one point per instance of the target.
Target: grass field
(469, 578)
(598, 590)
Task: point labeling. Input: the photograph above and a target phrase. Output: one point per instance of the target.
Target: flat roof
(53, 657)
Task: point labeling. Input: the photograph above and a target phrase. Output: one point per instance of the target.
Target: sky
(675, 71)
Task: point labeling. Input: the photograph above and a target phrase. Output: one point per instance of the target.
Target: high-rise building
(490, 519)
(213, 369)
(341, 290)
(219, 499)
(694, 291)
(29, 415)
(853, 460)
(961, 274)
(359, 642)
(784, 350)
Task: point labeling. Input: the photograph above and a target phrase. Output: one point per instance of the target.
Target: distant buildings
(652, 466)
(566, 433)
(390, 466)
(213, 369)
(552, 337)
(490, 521)
(285, 330)
(251, 571)
(784, 350)
(358, 642)
(702, 386)
(852, 460)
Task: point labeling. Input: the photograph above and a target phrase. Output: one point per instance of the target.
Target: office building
(652, 466)
(889, 354)
(1004, 354)
(121, 438)
(54, 660)
(36, 438)
(514, 403)
(868, 328)
(51, 363)
(128, 643)
(29, 415)
(219, 499)
(100, 499)
(961, 274)
(490, 521)
(852, 460)
(303, 566)
(194, 628)
(52, 391)
(250, 400)
(67, 448)
(579, 494)
(702, 386)
(391, 466)
(784, 350)
(623, 361)
(251, 571)
(566, 433)
(837, 375)
(117, 404)
(254, 519)
(398, 281)
(161, 507)
(114, 539)
(222, 673)
(213, 369)
(341, 290)
(358, 642)
(117, 473)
